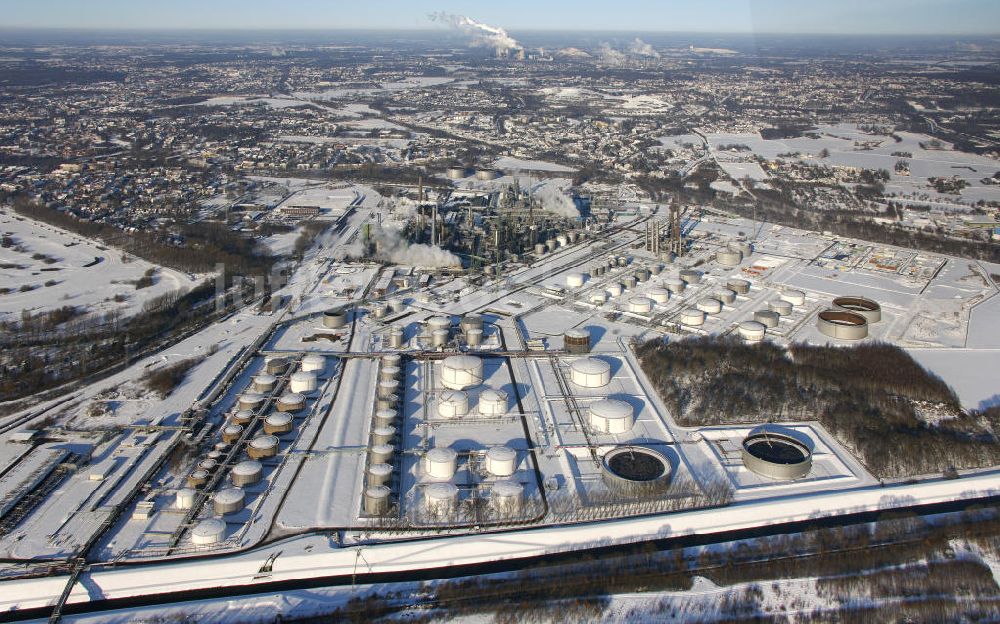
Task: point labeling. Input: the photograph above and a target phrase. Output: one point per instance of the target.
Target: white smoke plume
(392, 247)
(641, 48)
(480, 34)
(611, 56)
(556, 202)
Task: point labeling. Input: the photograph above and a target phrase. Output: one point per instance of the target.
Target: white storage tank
(460, 372)
(251, 401)
(383, 435)
(381, 453)
(453, 404)
(474, 337)
(767, 318)
(379, 474)
(440, 463)
(690, 276)
(752, 331)
(674, 285)
(242, 417)
(439, 337)
(302, 383)
(389, 373)
(246, 473)
(614, 289)
(278, 423)
(780, 306)
(232, 433)
(492, 402)
(313, 363)
(611, 416)
(659, 295)
(208, 532)
(291, 402)
(440, 498)
(385, 417)
(575, 280)
(600, 297)
(275, 365)
(590, 372)
(376, 501)
(738, 286)
(640, 305)
(334, 319)
(692, 317)
(228, 501)
(794, 297)
(708, 305)
(501, 461)
(438, 322)
(728, 257)
(197, 479)
(396, 338)
(507, 496)
(388, 388)
(725, 295)
(208, 465)
(264, 382)
(184, 499)
(263, 446)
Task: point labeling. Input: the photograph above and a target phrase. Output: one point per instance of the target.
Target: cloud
(480, 34)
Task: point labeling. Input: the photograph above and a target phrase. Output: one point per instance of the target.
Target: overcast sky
(977, 17)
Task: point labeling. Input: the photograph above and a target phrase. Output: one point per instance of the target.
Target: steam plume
(481, 35)
(641, 48)
(392, 247)
(556, 202)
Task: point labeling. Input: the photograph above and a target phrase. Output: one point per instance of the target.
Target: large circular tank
(438, 322)
(738, 286)
(636, 470)
(198, 478)
(278, 423)
(590, 372)
(780, 307)
(440, 498)
(455, 173)
(614, 289)
(709, 305)
(540, 249)
(599, 298)
(460, 372)
(389, 402)
(767, 318)
(507, 497)
(440, 463)
(842, 325)
(389, 373)
(242, 417)
(868, 308)
(656, 268)
(232, 433)
(291, 402)
(335, 319)
(744, 247)
(576, 340)
(302, 383)
(392, 359)
(208, 532)
(385, 417)
(630, 281)
(264, 383)
(642, 275)
(470, 322)
(674, 285)
(474, 337)
(263, 446)
(383, 435)
(246, 473)
(208, 465)
(501, 461)
(439, 337)
(794, 297)
(690, 276)
(387, 388)
(752, 331)
(251, 401)
(184, 498)
(313, 363)
(640, 305)
(379, 474)
(776, 455)
(724, 295)
(381, 453)
(658, 295)
(377, 499)
(276, 365)
(692, 317)
(575, 280)
(492, 402)
(396, 338)
(453, 404)
(229, 500)
(728, 257)
(487, 174)
(611, 416)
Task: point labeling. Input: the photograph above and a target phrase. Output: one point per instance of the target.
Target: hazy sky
(756, 16)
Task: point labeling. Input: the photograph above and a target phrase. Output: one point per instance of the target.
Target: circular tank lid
(577, 333)
(199, 474)
(247, 468)
(611, 409)
(210, 527)
(233, 430)
(462, 362)
(384, 431)
(441, 454)
(380, 470)
(265, 378)
(243, 414)
(303, 376)
(591, 366)
(753, 326)
(385, 414)
(278, 419)
(252, 397)
(264, 442)
(391, 371)
(313, 358)
(507, 488)
(493, 394)
(378, 491)
(656, 290)
(185, 493)
(441, 491)
(229, 496)
(501, 453)
(439, 321)
(208, 464)
(643, 301)
(454, 396)
(382, 449)
(292, 398)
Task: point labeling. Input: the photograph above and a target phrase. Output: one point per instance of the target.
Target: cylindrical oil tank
(540, 249)
(388, 388)
(507, 497)
(184, 498)
(640, 305)
(440, 498)
(440, 462)
(487, 174)
(379, 474)
(208, 465)
(692, 317)
(198, 478)
(395, 338)
(388, 403)
(228, 501)
(744, 247)
(492, 402)
(251, 401)
(615, 289)
(623, 260)
(690, 276)
(738, 286)
(460, 372)
(278, 423)
(276, 365)
(590, 372)
(381, 453)
(551, 244)
(313, 363)
(392, 359)
(709, 305)
(453, 404)
(574, 280)
(842, 324)
(208, 532)
(611, 416)
(728, 257)
(470, 321)
(439, 337)
(389, 373)
(335, 319)
(245, 473)
(752, 331)
(630, 281)
(794, 297)
(232, 433)
(242, 417)
(263, 446)
(501, 461)
(301, 383)
(380, 309)
(385, 417)
(643, 275)
(780, 307)
(659, 295)
(455, 173)
(767, 318)
(291, 402)
(868, 308)
(221, 446)
(383, 435)
(264, 383)
(724, 295)
(377, 498)
(474, 337)
(600, 297)
(215, 455)
(656, 268)
(576, 340)
(562, 240)
(674, 285)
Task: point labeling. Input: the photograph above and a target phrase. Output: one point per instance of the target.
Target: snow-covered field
(509, 163)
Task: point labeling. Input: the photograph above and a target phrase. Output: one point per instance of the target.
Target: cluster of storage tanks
(605, 415)
(380, 488)
(497, 465)
(258, 435)
(482, 174)
(559, 241)
(437, 332)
